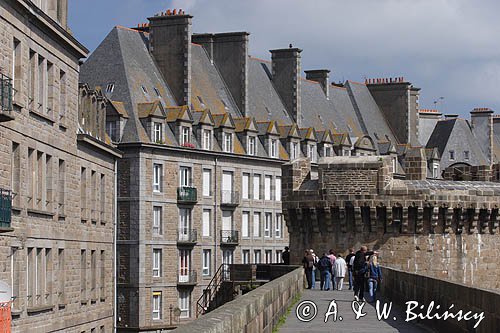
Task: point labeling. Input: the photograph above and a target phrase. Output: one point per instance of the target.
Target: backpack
(359, 265)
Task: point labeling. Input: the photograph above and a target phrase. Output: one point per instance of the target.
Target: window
(279, 256)
(16, 172)
(245, 184)
(93, 273)
(185, 174)
(452, 155)
(110, 88)
(16, 64)
(256, 187)
(279, 226)
(435, 170)
(267, 187)
(184, 265)
(273, 148)
(347, 152)
(144, 90)
(277, 189)
(156, 262)
(60, 276)
(158, 133)
(294, 150)
(157, 92)
(62, 94)
(83, 275)
(206, 222)
(269, 256)
(256, 257)
(103, 276)
(311, 152)
(394, 164)
(156, 306)
(327, 150)
(466, 155)
(184, 223)
(185, 303)
(157, 176)
(245, 217)
(228, 142)
(267, 225)
(207, 180)
(112, 130)
(207, 257)
(157, 220)
(256, 224)
(185, 135)
(207, 139)
(245, 257)
(251, 146)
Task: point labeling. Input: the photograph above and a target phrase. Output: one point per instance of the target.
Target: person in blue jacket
(374, 277)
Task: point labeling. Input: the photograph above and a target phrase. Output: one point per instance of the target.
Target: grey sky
(448, 48)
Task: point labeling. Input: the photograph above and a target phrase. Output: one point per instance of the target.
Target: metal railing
(230, 198)
(185, 235)
(229, 237)
(5, 208)
(188, 277)
(187, 194)
(6, 90)
(212, 297)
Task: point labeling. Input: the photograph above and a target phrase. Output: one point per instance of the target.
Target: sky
(448, 48)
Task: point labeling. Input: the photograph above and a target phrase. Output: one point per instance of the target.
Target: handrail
(210, 292)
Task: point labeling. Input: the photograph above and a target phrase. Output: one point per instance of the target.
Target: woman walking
(340, 271)
(374, 278)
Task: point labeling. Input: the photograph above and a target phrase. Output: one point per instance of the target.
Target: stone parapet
(257, 311)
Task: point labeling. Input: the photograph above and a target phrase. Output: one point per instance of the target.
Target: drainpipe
(215, 216)
(115, 229)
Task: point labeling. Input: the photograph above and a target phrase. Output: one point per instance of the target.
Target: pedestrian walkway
(343, 300)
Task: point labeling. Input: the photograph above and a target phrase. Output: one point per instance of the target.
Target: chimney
(322, 77)
(482, 128)
(229, 52)
(170, 45)
(286, 79)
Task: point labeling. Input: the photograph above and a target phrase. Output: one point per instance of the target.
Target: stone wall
(401, 287)
(257, 311)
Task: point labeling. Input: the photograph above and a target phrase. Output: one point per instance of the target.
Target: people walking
(325, 268)
(331, 255)
(349, 266)
(315, 267)
(374, 278)
(308, 264)
(340, 271)
(285, 256)
(359, 269)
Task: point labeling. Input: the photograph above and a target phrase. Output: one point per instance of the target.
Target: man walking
(308, 264)
(332, 257)
(359, 269)
(325, 267)
(340, 271)
(315, 267)
(349, 266)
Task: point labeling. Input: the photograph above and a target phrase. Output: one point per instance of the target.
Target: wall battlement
(434, 227)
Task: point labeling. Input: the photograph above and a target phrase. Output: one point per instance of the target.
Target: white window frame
(311, 152)
(185, 133)
(268, 254)
(157, 132)
(228, 142)
(267, 187)
(273, 148)
(156, 305)
(257, 254)
(245, 257)
(157, 220)
(206, 232)
(252, 147)
(256, 186)
(207, 139)
(327, 150)
(185, 176)
(466, 155)
(435, 170)
(245, 224)
(207, 182)
(157, 257)
(206, 262)
(157, 177)
(185, 308)
(256, 225)
(268, 222)
(278, 232)
(294, 150)
(245, 186)
(277, 188)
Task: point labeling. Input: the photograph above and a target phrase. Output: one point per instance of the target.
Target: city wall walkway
(343, 299)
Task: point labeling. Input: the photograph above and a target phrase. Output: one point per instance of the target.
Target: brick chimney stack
(229, 52)
(170, 45)
(321, 76)
(286, 79)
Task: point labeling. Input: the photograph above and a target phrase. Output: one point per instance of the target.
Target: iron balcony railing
(187, 277)
(230, 198)
(5, 208)
(187, 236)
(187, 194)
(229, 237)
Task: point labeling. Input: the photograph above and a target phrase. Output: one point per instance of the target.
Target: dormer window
(435, 170)
(185, 135)
(466, 155)
(327, 151)
(394, 164)
(228, 142)
(110, 88)
(207, 139)
(157, 93)
(452, 155)
(158, 133)
(347, 152)
(252, 149)
(144, 90)
(273, 148)
(311, 152)
(294, 150)
(112, 130)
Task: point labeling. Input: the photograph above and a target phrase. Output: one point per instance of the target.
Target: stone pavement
(343, 299)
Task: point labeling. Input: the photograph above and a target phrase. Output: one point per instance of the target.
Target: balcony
(230, 198)
(5, 210)
(6, 89)
(187, 195)
(187, 236)
(187, 278)
(229, 237)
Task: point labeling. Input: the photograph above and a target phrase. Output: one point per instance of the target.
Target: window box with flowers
(188, 145)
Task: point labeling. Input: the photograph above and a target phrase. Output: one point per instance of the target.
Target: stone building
(57, 177)
(439, 228)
